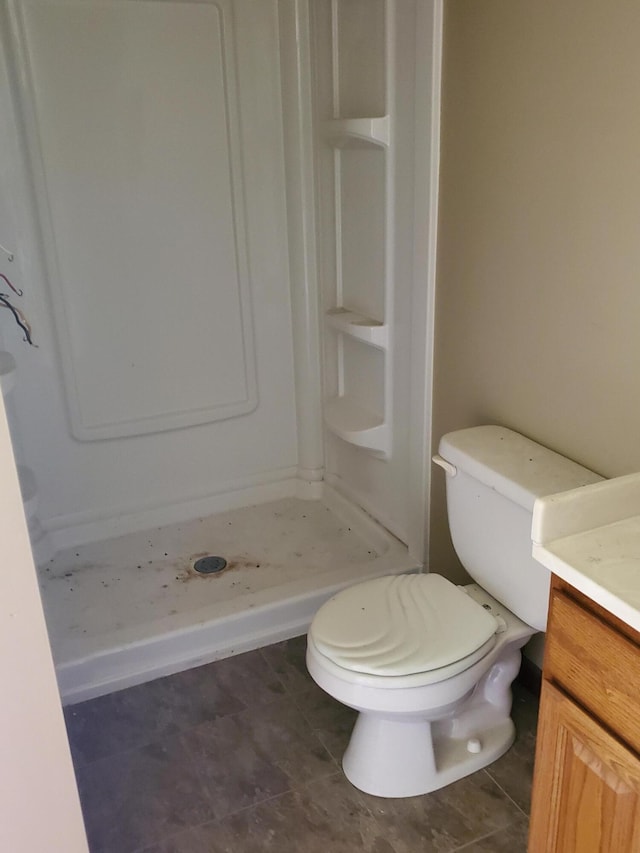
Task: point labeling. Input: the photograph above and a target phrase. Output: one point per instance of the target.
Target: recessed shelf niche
(357, 413)
(361, 230)
(359, 28)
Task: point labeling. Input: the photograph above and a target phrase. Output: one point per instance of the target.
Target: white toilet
(428, 664)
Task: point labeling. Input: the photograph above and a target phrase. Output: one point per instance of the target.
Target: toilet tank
(490, 495)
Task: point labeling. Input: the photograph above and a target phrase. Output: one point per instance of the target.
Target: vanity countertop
(590, 537)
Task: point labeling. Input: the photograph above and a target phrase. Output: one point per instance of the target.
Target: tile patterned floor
(242, 756)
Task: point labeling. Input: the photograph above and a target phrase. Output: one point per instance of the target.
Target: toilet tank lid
(515, 466)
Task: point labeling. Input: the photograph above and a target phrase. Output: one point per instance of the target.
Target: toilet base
(403, 757)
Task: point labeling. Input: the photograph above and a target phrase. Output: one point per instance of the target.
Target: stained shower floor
(104, 597)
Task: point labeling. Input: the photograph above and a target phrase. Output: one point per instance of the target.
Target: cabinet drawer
(596, 665)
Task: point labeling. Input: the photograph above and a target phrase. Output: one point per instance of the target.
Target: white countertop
(590, 537)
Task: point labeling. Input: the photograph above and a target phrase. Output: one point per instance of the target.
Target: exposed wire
(20, 314)
(15, 289)
(18, 317)
(9, 254)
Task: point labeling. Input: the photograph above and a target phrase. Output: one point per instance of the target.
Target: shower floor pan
(130, 609)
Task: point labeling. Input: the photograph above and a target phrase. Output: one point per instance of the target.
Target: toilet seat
(391, 682)
(401, 630)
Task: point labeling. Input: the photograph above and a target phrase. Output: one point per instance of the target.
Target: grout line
(491, 834)
(315, 731)
(291, 786)
(506, 793)
(82, 766)
(271, 668)
(333, 769)
(470, 844)
(81, 763)
(221, 820)
(287, 689)
(293, 696)
(160, 737)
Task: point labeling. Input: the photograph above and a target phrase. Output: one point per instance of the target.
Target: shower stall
(221, 218)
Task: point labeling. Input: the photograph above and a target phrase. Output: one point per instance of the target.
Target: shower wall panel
(155, 138)
(140, 147)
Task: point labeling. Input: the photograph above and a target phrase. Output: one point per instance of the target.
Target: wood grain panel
(599, 611)
(596, 665)
(587, 784)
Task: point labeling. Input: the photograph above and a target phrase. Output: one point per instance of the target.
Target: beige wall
(538, 294)
(39, 804)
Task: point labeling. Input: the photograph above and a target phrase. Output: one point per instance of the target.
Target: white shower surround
(149, 314)
(275, 620)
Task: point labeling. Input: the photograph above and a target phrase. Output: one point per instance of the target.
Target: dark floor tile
(480, 801)
(331, 815)
(142, 714)
(184, 842)
(512, 839)
(250, 678)
(255, 755)
(288, 661)
(286, 737)
(446, 819)
(326, 815)
(331, 721)
(514, 771)
(248, 767)
(235, 772)
(139, 797)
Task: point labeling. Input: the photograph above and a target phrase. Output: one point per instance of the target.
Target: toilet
(428, 664)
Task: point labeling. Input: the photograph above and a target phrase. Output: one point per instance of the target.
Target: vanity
(586, 788)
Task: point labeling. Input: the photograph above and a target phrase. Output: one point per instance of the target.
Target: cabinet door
(586, 794)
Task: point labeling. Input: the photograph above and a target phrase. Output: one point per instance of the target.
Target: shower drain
(210, 565)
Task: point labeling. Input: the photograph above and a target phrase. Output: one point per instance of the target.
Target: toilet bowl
(445, 714)
(427, 664)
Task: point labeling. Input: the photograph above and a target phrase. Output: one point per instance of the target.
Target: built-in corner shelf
(7, 372)
(356, 326)
(356, 425)
(358, 132)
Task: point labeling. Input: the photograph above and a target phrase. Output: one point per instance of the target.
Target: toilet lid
(401, 625)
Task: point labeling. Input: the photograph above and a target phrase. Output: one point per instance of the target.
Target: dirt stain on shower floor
(187, 573)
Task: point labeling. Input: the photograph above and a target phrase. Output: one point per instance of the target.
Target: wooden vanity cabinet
(586, 786)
